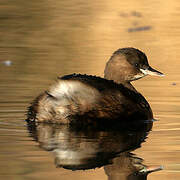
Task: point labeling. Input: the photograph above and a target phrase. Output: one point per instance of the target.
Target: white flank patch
(62, 88)
(73, 89)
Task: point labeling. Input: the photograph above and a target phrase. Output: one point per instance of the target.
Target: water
(41, 40)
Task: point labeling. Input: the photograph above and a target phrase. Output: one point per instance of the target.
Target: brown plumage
(90, 98)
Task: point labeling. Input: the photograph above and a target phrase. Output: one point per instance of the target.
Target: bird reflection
(81, 148)
(127, 166)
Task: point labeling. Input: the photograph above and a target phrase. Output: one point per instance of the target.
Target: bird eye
(136, 64)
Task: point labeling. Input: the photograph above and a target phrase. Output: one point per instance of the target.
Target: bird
(87, 98)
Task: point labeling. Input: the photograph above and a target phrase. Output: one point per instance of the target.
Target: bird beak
(150, 71)
(150, 169)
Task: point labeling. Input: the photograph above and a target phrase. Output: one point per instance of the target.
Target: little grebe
(111, 97)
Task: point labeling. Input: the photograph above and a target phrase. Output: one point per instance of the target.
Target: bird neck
(129, 86)
(126, 84)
